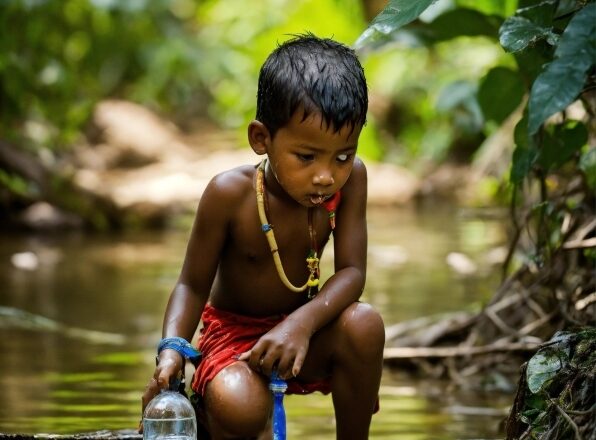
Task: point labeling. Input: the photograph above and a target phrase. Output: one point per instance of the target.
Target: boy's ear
(259, 137)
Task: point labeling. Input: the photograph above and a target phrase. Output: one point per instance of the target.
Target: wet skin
(229, 263)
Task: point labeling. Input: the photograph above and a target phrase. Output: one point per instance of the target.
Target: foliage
(435, 93)
(183, 58)
(545, 33)
(58, 58)
(555, 398)
(554, 49)
(237, 41)
(550, 92)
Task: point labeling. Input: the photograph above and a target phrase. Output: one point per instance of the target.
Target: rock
(446, 181)
(390, 185)
(148, 169)
(388, 256)
(138, 135)
(25, 260)
(461, 263)
(42, 215)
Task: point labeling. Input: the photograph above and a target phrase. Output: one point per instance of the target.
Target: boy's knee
(364, 330)
(237, 402)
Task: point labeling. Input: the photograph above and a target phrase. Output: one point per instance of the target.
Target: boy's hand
(282, 349)
(169, 364)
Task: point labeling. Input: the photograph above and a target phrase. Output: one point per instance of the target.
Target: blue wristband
(182, 346)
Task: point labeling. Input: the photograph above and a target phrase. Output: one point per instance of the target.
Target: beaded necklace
(312, 261)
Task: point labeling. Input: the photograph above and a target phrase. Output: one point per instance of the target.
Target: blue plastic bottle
(278, 387)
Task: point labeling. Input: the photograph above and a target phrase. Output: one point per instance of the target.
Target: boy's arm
(345, 286)
(191, 292)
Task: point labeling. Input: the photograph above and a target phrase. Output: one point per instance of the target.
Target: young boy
(251, 268)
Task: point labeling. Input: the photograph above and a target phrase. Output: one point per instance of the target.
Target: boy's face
(310, 161)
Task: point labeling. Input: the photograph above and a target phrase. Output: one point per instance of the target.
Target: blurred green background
(189, 60)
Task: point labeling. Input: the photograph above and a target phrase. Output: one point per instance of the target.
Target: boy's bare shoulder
(232, 184)
(359, 168)
(358, 177)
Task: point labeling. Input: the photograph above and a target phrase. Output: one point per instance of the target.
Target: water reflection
(80, 356)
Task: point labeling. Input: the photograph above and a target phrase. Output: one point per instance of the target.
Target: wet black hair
(319, 75)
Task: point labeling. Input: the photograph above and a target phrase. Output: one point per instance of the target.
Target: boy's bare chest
(295, 236)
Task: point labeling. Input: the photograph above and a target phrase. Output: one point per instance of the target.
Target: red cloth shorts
(226, 335)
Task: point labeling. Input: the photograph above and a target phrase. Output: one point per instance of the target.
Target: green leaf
(563, 144)
(529, 62)
(529, 416)
(567, 6)
(525, 153)
(395, 15)
(578, 39)
(563, 79)
(523, 160)
(517, 33)
(455, 94)
(464, 22)
(459, 99)
(543, 366)
(15, 183)
(451, 24)
(587, 163)
(500, 92)
(553, 90)
(540, 14)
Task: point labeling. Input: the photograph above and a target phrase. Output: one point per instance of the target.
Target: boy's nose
(324, 178)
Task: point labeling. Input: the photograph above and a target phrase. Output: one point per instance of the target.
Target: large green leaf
(530, 62)
(525, 153)
(517, 33)
(523, 160)
(450, 24)
(459, 100)
(541, 369)
(565, 141)
(464, 22)
(540, 14)
(395, 15)
(500, 92)
(562, 80)
(565, 7)
(579, 38)
(547, 362)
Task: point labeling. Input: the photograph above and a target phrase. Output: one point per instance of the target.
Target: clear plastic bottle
(169, 416)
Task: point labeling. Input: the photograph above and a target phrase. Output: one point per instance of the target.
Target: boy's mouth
(317, 199)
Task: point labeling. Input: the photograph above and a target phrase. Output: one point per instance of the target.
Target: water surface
(81, 319)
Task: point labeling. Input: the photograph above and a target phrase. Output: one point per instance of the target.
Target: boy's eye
(306, 157)
(343, 157)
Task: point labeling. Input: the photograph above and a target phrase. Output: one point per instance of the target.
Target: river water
(80, 316)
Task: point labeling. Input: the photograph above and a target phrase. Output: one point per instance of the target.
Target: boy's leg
(351, 350)
(237, 404)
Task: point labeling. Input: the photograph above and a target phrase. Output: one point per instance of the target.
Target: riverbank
(134, 168)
